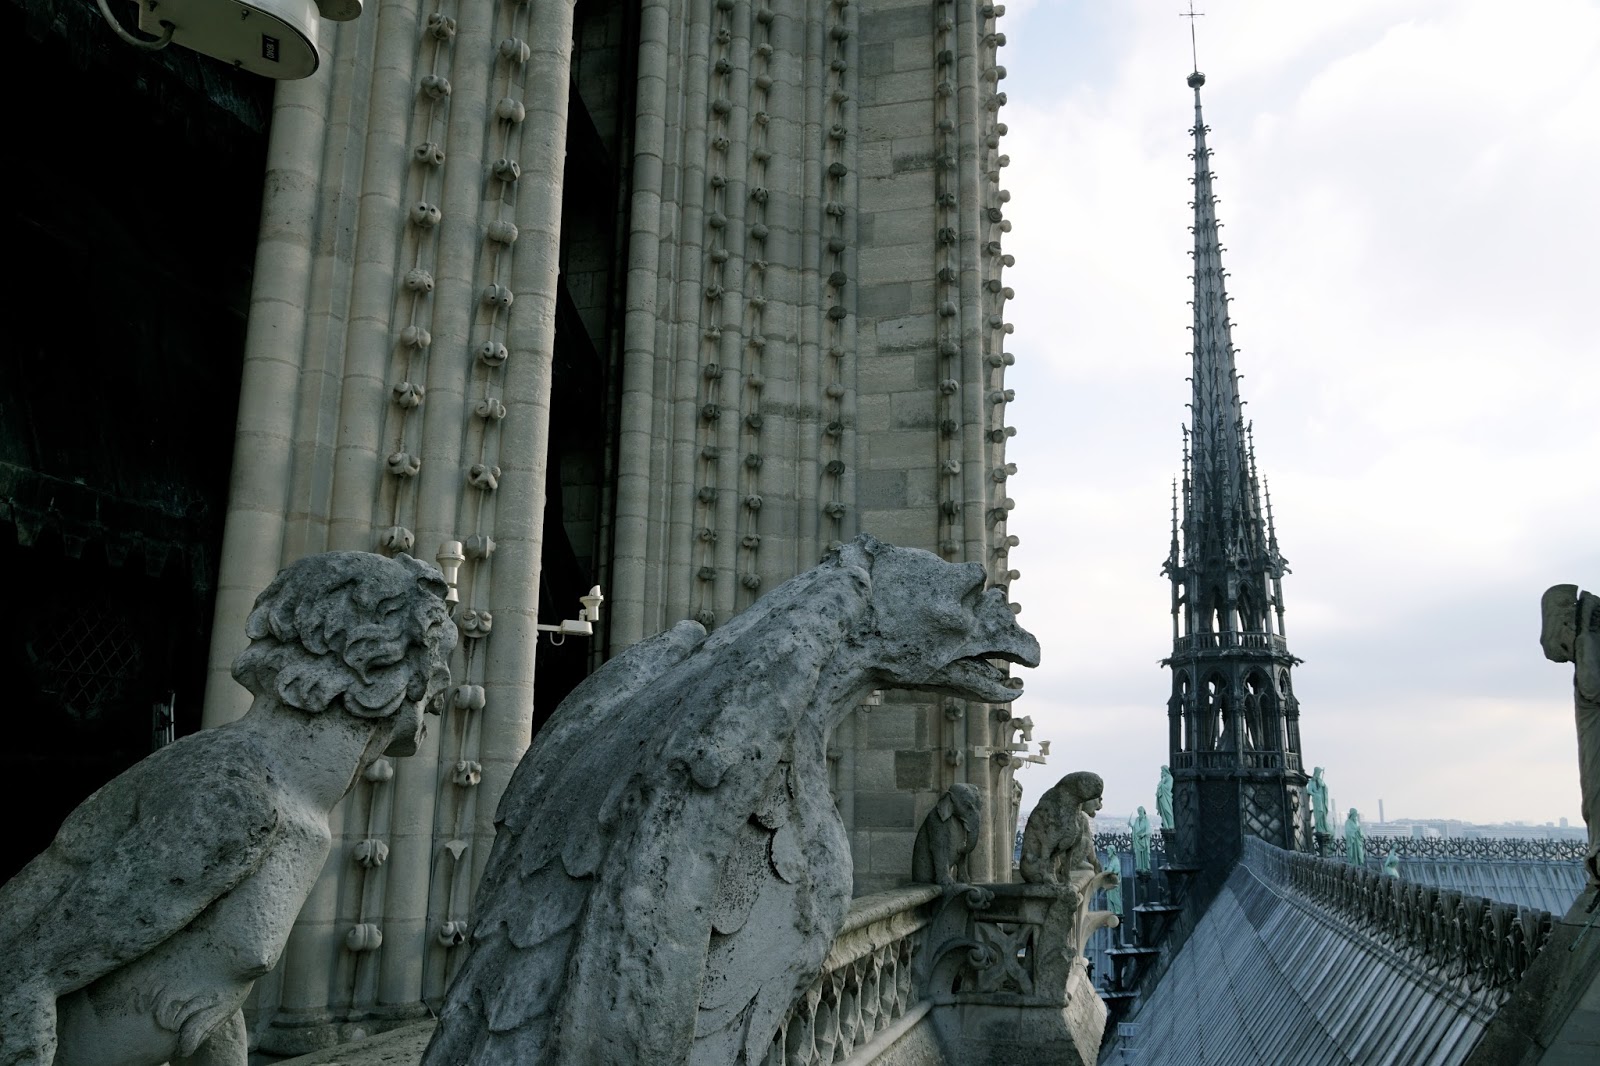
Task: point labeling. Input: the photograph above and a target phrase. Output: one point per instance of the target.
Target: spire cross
(1191, 15)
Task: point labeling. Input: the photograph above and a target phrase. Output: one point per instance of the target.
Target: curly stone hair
(353, 628)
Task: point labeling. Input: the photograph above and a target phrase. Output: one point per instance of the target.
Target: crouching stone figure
(136, 936)
(1059, 838)
(947, 837)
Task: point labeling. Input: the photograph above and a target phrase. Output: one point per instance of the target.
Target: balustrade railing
(1228, 759)
(1206, 641)
(1504, 849)
(866, 985)
(1123, 842)
(1479, 946)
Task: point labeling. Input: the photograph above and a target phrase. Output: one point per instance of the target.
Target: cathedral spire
(1234, 720)
(1220, 500)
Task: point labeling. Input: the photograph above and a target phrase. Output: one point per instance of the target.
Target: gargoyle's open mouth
(977, 677)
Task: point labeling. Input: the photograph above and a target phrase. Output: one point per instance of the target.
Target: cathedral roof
(1299, 960)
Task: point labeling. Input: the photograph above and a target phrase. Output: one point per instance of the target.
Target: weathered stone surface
(913, 770)
(1570, 633)
(135, 938)
(1059, 839)
(1005, 962)
(948, 835)
(668, 909)
(397, 1047)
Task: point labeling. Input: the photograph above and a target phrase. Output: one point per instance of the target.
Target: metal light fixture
(582, 626)
(450, 559)
(591, 604)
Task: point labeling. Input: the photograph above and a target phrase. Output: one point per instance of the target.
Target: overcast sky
(1411, 222)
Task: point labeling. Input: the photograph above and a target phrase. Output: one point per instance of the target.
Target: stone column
(814, 340)
(396, 398)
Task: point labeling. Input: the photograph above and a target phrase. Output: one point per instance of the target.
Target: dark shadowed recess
(136, 188)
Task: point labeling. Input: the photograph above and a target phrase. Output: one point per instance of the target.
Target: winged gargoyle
(670, 870)
(136, 936)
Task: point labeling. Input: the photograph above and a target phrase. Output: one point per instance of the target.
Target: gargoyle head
(963, 802)
(353, 631)
(933, 625)
(1558, 635)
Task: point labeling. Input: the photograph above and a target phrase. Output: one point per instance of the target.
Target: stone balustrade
(1479, 947)
(866, 995)
(1491, 849)
(1123, 842)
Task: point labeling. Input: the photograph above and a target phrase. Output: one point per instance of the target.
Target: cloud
(1408, 218)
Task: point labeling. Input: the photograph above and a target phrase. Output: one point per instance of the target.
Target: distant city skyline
(1406, 199)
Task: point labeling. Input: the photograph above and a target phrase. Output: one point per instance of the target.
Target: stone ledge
(398, 1047)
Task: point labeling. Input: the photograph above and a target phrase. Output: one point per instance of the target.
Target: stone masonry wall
(814, 345)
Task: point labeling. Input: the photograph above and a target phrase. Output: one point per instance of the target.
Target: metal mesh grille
(87, 656)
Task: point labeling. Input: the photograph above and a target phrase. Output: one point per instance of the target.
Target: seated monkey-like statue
(947, 837)
(134, 938)
(1058, 850)
(1059, 838)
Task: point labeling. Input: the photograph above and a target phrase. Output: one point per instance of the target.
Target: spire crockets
(1222, 517)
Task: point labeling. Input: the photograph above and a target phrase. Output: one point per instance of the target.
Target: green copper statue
(1317, 789)
(1164, 800)
(1355, 850)
(1391, 864)
(1111, 861)
(1140, 828)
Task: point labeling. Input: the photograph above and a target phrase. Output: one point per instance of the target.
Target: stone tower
(1234, 722)
(665, 297)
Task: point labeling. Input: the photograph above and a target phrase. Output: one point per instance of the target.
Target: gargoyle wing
(773, 920)
(725, 724)
(593, 920)
(536, 884)
(136, 862)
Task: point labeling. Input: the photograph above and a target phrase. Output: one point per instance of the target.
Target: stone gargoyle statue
(134, 939)
(670, 870)
(1059, 838)
(1058, 851)
(947, 836)
(1570, 633)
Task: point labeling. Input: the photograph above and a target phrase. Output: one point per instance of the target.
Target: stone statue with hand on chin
(134, 939)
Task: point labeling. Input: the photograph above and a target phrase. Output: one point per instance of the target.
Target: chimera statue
(670, 871)
(1571, 634)
(136, 936)
(947, 836)
(1059, 838)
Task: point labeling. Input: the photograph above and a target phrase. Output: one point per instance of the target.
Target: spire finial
(1196, 79)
